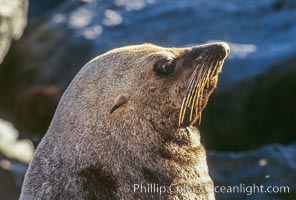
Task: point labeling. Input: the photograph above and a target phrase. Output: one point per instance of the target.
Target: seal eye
(165, 66)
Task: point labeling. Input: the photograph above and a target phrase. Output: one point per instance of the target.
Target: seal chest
(129, 117)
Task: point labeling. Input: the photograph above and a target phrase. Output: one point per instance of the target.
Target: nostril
(225, 47)
(228, 50)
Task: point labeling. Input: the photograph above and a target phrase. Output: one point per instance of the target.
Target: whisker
(193, 76)
(181, 117)
(195, 92)
(199, 80)
(193, 79)
(198, 98)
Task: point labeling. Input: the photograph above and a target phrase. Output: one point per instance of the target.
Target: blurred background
(249, 125)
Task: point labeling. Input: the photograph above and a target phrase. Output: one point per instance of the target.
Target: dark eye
(165, 66)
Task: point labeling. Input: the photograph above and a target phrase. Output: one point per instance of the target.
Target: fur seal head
(169, 87)
(128, 118)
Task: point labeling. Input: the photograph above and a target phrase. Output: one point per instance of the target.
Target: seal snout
(223, 49)
(220, 49)
(216, 50)
(207, 61)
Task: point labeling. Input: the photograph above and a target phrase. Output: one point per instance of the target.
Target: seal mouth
(207, 67)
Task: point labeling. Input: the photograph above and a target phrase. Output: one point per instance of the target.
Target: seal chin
(187, 136)
(193, 136)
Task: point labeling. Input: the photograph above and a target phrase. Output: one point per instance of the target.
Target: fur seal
(125, 128)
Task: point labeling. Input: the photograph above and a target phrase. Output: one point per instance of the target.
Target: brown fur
(90, 153)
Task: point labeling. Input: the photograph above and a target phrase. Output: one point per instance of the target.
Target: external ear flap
(119, 101)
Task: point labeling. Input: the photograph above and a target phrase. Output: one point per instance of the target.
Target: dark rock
(273, 165)
(255, 111)
(38, 8)
(13, 19)
(37, 106)
(8, 188)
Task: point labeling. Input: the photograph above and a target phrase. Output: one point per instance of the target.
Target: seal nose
(219, 49)
(225, 49)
